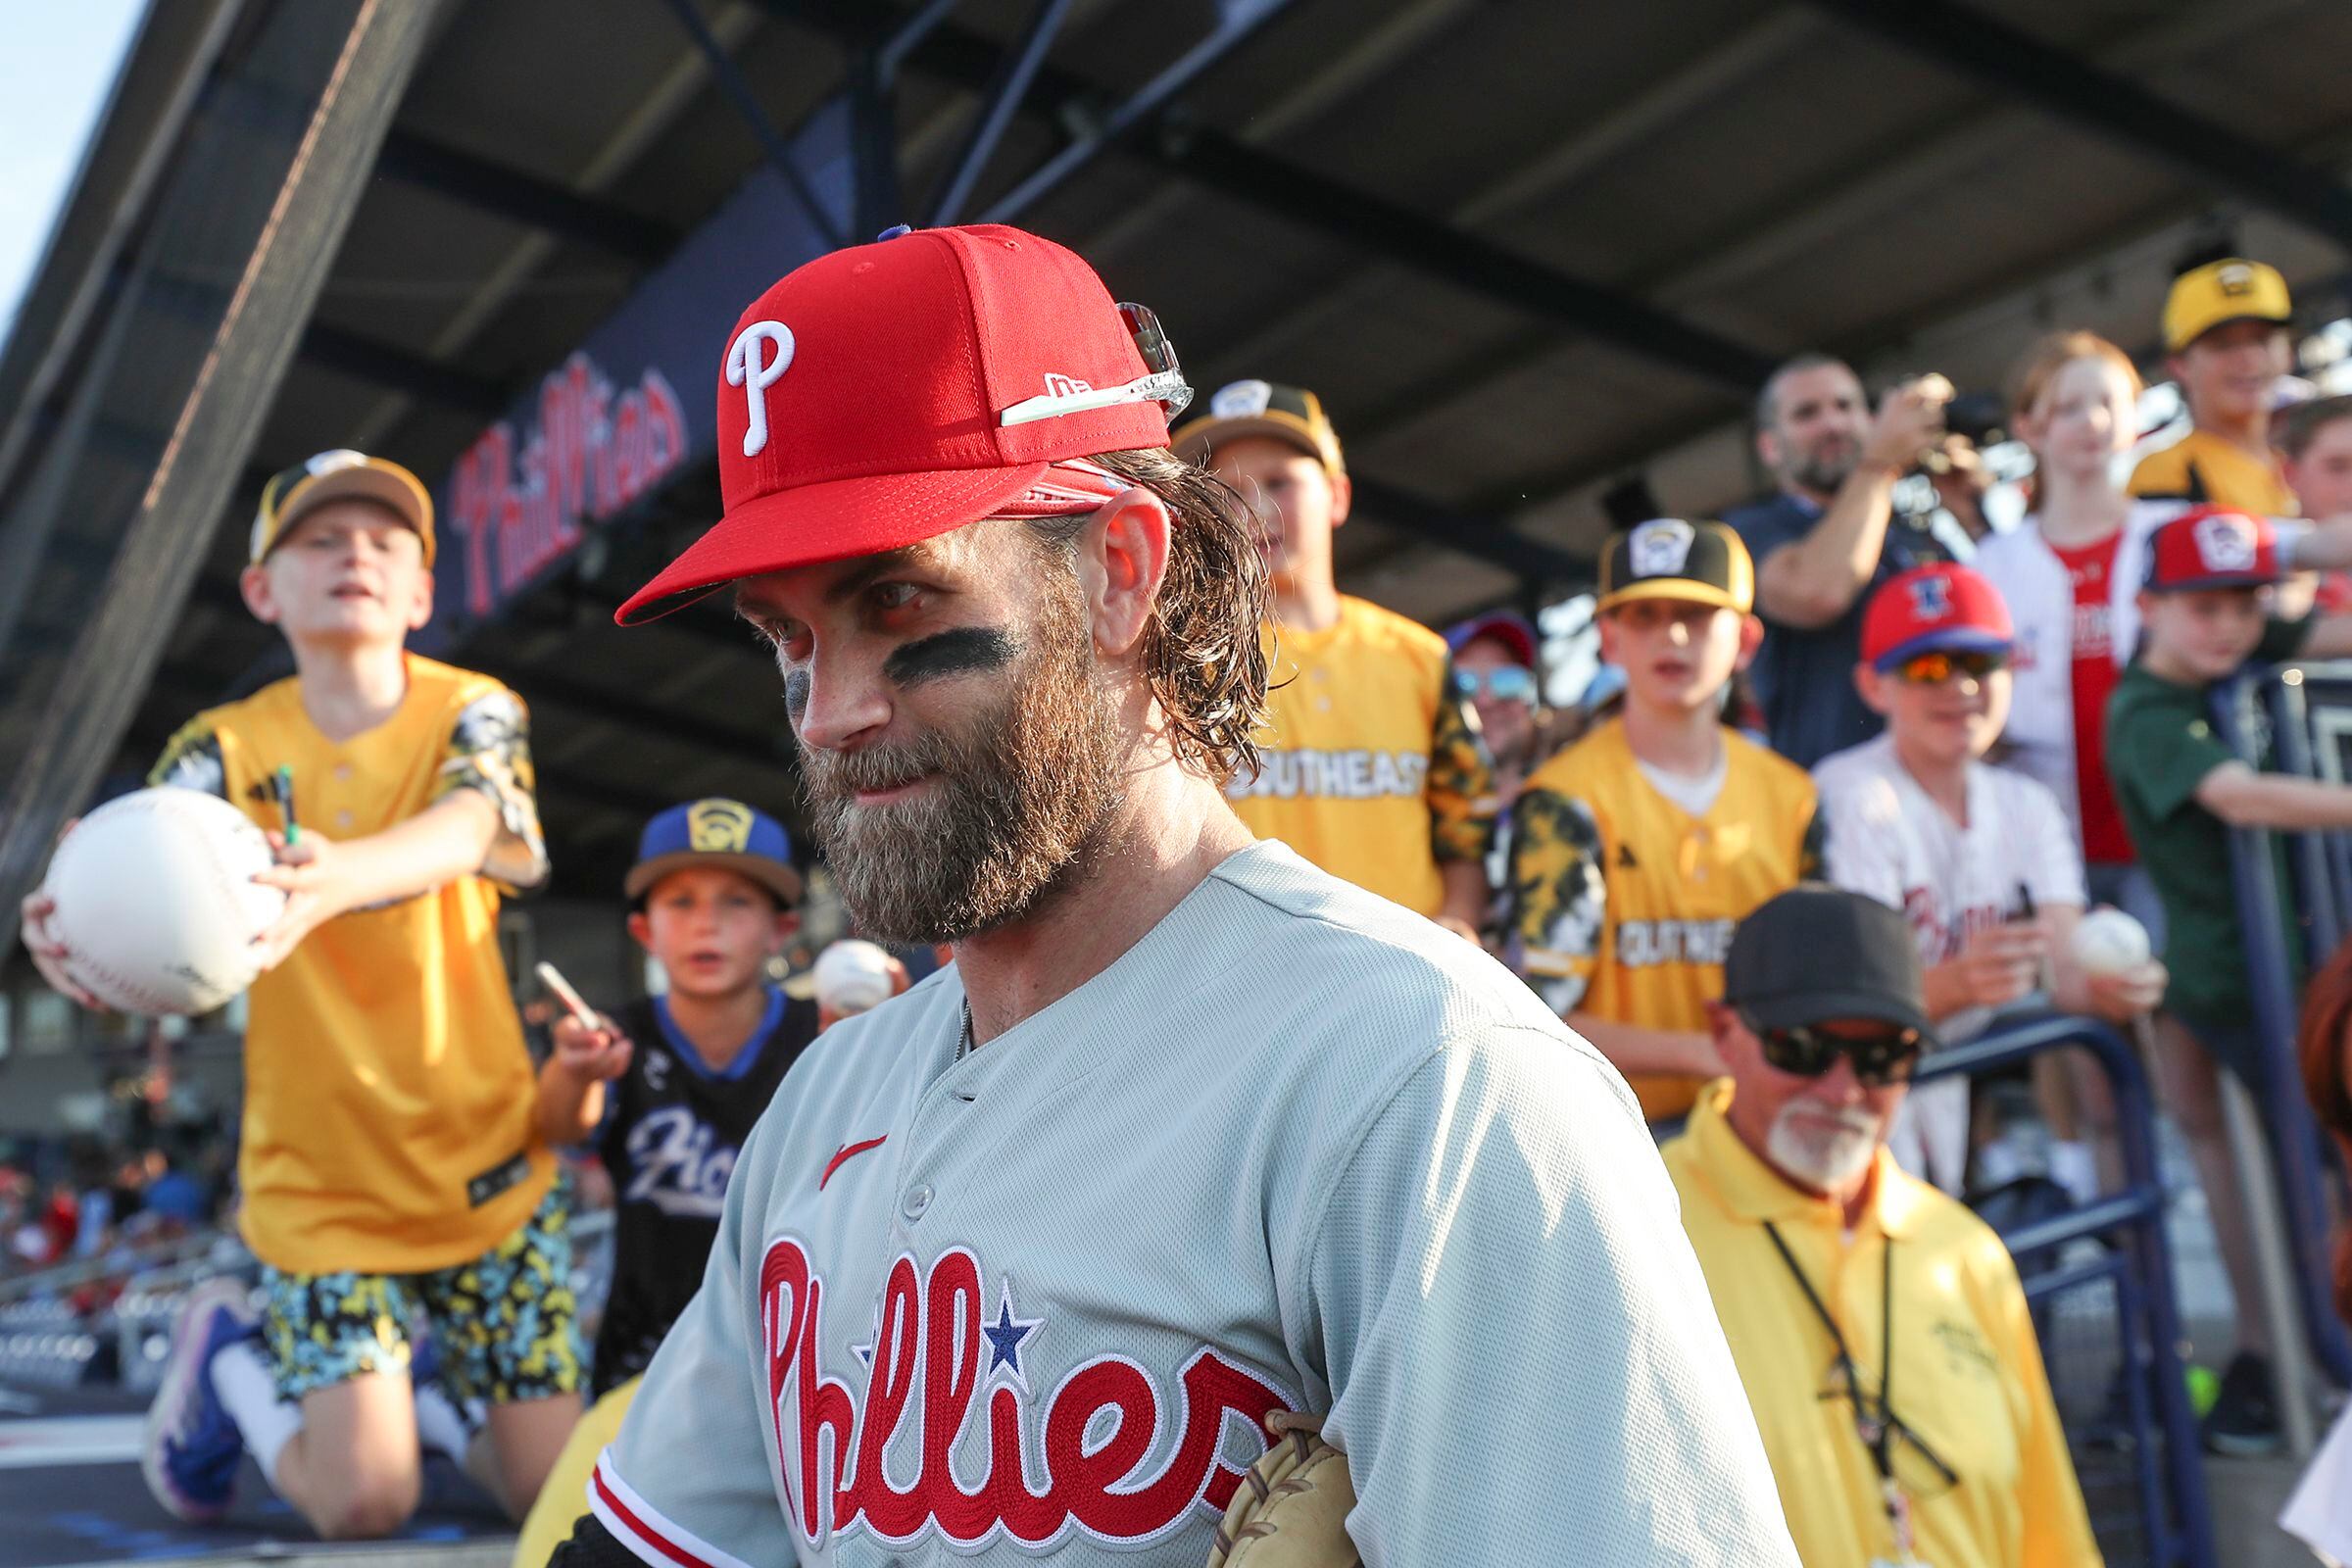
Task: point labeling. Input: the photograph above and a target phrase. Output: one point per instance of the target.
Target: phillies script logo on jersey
(935, 1355)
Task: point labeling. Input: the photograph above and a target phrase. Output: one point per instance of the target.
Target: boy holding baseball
(390, 1162)
(2205, 611)
(1980, 860)
(669, 1087)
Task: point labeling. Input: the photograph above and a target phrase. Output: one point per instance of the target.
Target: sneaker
(192, 1449)
(2243, 1423)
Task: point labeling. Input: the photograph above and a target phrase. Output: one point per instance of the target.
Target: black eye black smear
(964, 651)
(796, 695)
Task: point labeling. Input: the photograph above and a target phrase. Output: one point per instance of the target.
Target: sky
(56, 69)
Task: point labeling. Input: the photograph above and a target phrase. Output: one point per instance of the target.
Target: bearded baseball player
(1037, 1258)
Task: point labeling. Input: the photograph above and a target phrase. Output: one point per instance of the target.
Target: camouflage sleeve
(1558, 896)
(490, 751)
(1462, 805)
(192, 761)
(1809, 847)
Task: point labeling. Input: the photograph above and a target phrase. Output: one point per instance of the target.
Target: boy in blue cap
(666, 1089)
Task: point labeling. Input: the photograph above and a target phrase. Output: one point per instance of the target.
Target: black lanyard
(1876, 1431)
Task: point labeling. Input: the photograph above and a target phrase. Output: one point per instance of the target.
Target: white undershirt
(1694, 793)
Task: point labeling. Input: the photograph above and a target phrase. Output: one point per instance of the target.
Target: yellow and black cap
(1241, 409)
(1666, 558)
(2232, 289)
(341, 475)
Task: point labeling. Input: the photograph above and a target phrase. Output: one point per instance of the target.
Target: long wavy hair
(1202, 652)
(2322, 1046)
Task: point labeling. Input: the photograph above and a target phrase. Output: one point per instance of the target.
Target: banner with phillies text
(632, 405)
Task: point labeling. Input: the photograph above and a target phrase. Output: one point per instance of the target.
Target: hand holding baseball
(2000, 963)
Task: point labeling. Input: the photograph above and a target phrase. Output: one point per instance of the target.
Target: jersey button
(918, 1199)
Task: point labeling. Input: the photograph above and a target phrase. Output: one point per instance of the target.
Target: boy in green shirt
(2205, 612)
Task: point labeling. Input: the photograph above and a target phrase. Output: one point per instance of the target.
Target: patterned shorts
(504, 1326)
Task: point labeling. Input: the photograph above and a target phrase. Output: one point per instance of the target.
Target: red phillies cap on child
(886, 393)
(1928, 609)
(2213, 547)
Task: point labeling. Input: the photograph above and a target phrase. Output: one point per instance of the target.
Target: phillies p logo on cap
(884, 394)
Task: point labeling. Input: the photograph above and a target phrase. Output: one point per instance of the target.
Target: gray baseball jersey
(1297, 1147)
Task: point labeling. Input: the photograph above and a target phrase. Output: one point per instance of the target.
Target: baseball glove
(1290, 1510)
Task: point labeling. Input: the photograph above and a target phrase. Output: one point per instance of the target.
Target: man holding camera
(1825, 541)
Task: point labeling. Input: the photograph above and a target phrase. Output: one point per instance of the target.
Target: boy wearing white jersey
(1022, 1262)
(1980, 860)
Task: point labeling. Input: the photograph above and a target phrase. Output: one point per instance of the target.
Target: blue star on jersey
(1004, 1337)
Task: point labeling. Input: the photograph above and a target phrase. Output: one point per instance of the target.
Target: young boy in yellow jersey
(1370, 762)
(1635, 852)
(391, 1165)
(2225, 331)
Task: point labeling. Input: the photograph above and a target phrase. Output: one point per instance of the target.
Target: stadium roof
(1523, 251)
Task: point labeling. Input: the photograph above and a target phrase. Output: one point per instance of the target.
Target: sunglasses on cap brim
(1886, 1058)
(1164, 384)
(1937, 665)
(1506, 684)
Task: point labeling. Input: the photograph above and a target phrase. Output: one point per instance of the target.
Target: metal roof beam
(399, 371)
(745, 103)
(1972, 43)
(1400, 234)
(525, 198)
(1487, 540)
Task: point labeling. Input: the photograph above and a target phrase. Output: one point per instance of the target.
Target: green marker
(285, 804)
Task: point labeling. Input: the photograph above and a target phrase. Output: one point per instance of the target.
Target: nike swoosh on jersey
(846, 1152)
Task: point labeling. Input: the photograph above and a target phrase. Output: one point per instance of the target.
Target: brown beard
(1018, 799)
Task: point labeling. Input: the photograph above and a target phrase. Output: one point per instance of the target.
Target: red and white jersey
(1298, 1148)
(1887, 839)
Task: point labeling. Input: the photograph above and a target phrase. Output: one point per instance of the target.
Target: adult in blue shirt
(1822, 542)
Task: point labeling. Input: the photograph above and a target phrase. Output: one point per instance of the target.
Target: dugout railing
(2296, 719)
(2111, 1256)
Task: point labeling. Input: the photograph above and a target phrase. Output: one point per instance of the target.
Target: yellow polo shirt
(1967, 1374)
(389, 1099)
(2203, 468)
(1371, 767)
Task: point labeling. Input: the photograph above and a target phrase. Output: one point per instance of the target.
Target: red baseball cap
(2213, 547)
(887, 393)
(1939, 609)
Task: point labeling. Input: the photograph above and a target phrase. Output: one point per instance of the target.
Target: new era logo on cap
(2213, 547)
(1939, 609)
(887, 393)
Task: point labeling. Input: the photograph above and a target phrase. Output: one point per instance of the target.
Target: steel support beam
(1972, 43)
(1400, 234)
(878, 200)
(1009, 85)
(396, 368)
(738, 90)
(1495, 542)
(122, 642)
(524, 199)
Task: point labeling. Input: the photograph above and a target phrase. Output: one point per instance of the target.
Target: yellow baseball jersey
(1622, 903)
(389, 1122)
(2203, 468)
(1980, 1454)
(1371, 765)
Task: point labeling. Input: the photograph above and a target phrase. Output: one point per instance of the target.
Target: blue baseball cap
(719, 832)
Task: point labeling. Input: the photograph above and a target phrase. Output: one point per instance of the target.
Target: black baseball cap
(1817, 952)
(1666, 558)
(1239, 409)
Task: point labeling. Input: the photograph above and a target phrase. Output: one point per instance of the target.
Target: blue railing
(2275, 703)
(2165, 1454)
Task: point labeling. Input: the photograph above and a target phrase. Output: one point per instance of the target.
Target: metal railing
(2165, 1454)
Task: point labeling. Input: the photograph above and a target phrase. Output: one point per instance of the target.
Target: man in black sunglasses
(1879, 1326)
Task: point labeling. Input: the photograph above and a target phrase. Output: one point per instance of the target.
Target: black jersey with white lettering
(670, 1137)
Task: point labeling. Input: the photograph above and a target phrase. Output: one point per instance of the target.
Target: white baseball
(852, 977)
(2110, 942)
(155, 902)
